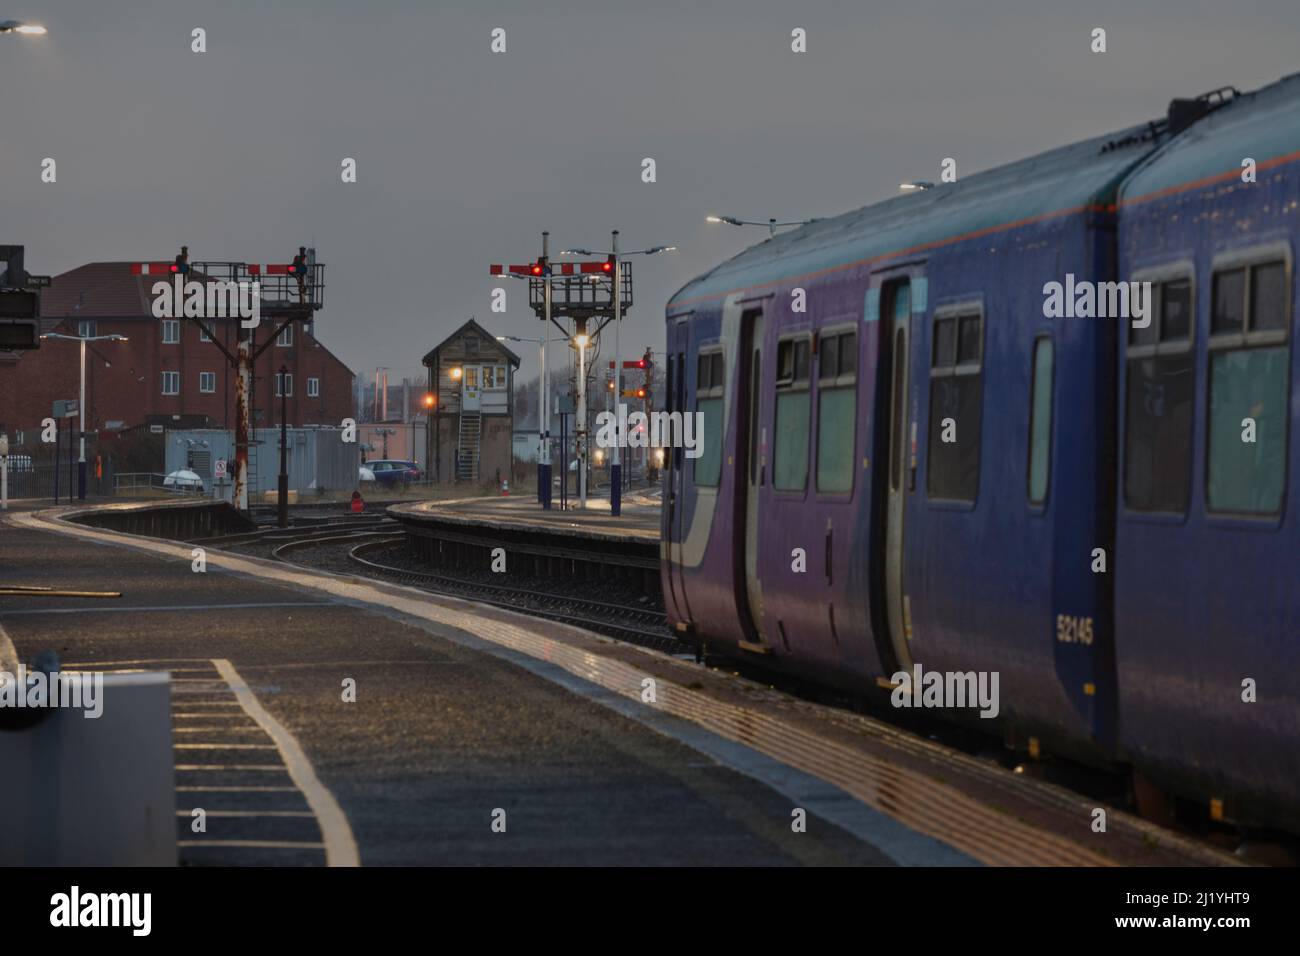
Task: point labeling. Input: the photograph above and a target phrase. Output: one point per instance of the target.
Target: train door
(674, 473)
(897, 306)
(755, 476)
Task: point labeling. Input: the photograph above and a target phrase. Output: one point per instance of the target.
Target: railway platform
(323, 718)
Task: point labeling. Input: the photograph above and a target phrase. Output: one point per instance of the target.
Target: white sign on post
(219, 469)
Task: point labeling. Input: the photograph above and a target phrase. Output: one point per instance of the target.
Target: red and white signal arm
(219, 468)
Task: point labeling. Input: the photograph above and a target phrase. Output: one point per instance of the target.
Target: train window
(945, 342)
(968, 340)
(1229, 299)
(956, 399)
(790, 438)
(1040, 420)
(709, 391)
(836, 411)
(1175, 311)
(1247, 419)
(1268, 296)
(1158, 403)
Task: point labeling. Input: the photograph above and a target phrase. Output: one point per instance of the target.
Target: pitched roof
(98, 290)
(470, 326)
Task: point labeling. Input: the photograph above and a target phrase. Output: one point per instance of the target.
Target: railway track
(645, 626)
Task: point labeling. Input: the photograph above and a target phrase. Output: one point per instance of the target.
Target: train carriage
(911, 459)
(1207, 589)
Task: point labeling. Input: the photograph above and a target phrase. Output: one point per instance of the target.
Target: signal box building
(471, 423)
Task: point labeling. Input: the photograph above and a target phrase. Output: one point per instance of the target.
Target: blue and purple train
(909, 460)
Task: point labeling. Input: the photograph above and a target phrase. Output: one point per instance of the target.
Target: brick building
(472, 377)
(165, 373)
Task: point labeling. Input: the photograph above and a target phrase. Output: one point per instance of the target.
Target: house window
(86, 328)
(837, 413)
(207, 382)
(203, 334)
(790, 438)
(1159, 395)
(284, 384)
(313, 388)
(710, 386)
(285, 338)
(956, 400)
(171, 383)
(171, 329)
(1249, 353)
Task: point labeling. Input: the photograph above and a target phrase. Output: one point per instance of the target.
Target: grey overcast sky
(464, 156)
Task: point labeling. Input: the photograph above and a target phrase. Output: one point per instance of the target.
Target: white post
(616, 466)
(544, 422)
(81, 427)
(581, 429)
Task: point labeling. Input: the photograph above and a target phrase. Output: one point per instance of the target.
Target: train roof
(1069, 178)
(1263, 125)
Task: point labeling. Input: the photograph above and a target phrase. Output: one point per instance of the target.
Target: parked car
(182, 481)
(390, 471)
(365, 474)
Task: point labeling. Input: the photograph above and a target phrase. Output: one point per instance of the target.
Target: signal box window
(1249, 353)
(956, 405)
(790, 441)
(837, 411)
(1158, 403)
(710, 388)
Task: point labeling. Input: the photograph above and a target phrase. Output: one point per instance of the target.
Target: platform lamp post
(81, 398)
(771, 224)
(282, 499)
(541, 394)
(616, 277)
(27, 29)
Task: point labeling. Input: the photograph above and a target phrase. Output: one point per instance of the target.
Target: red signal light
(608, 265)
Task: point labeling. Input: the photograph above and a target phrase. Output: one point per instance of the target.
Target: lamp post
(27, 29)
(81, 399)
(616, 459)
(771, 224)
(542, 499)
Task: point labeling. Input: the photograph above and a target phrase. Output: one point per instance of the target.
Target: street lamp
(81, 401)
(29, 29)
(916, 185)
(771, 223)
(616, 460)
